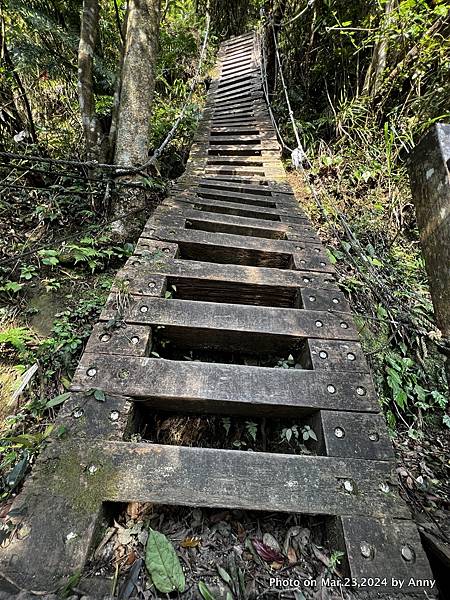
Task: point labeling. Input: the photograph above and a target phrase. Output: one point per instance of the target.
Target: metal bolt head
(23, 531)
(91, 372)
(339, 432)
(323, 264)
(166, 250)
(323, 354)
(144, 309)
(114, 415)
(77, 412)
(312, 298)
(344, 325)
(306, 279)
(319, 324)
(317, 250)
(331, 389)
(349, 486)
(135, 340)
(367, 551)
(361, 391)
(336, 300)
(373, 436)
(105, 337)
(152, 284)
(350, 356)
(408, 553)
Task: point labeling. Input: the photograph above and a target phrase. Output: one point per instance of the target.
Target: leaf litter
(210, 554)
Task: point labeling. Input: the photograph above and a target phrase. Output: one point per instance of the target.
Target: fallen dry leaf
(266, 552)
(190, 542)
(134, 510)
(131, 558)
(270, 541)
(241, 533)
(292, 556)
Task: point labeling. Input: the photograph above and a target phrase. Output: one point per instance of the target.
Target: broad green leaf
(12, 286)
(57, 400)
(162, 563)
(99, 395)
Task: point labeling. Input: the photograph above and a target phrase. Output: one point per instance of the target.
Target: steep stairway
(228, 263)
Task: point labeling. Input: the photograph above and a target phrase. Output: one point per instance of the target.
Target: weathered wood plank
(144, 273)
(271, 187)
(190, 218)
(275, 201)
(231, 317)
(337, 355)
(235, 208)
(238, 249)
(230, 84)
(265, 204)
(224, 388)
(352, 435)
(246, 197)
(386, 549)
(133, 340)
(247, 480)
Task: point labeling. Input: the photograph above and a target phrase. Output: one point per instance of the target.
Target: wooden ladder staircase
(228, 263)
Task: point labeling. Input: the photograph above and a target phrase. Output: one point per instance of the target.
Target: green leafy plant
(17, 337)
(252, 429)
(163, 564)
(335, 559)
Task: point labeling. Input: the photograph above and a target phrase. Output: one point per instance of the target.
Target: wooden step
(201, 387)
(236, 249)
(246, 480)
(238, 318)
(259, 277)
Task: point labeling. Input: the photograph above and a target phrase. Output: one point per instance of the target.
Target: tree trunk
(136, 92)
(91, 126)
(374, 75)
(116, 98)
(278, 11)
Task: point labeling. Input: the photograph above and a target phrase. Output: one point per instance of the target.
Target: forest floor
(45, 320)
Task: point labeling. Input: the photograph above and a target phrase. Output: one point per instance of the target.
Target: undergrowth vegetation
(365, 83)
(57, 258)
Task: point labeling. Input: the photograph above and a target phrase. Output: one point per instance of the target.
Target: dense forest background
(365, 79)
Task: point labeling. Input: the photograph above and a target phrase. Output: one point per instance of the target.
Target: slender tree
(92, 130)
(375, 72)
(136, 92)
